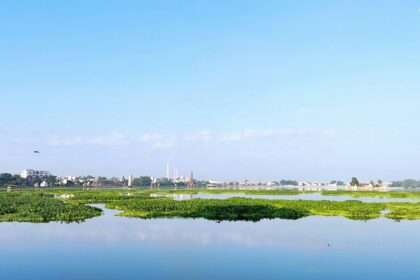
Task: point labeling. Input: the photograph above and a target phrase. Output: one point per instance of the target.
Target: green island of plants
(257, 209)
(37, 207)
(391, 194)
(50, 205)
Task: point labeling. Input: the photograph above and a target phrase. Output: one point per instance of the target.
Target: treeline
(296, 183)
(9, 179)
(166, 183)
(408, 184)
(289, 183)
(338, 183)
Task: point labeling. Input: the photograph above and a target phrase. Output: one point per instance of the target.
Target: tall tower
(191, 183)
(168, 171)
(130, 181)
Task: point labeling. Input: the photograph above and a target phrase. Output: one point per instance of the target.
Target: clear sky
(306, 90)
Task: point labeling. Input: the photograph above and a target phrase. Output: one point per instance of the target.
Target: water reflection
(110, 247)
(303, 234)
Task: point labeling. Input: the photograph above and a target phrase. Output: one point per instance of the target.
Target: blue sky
(309, 90)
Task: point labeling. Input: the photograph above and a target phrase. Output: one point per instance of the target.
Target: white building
(44, 184)
(34, 173)
(130, 180)
(72, 178)
(168, 171)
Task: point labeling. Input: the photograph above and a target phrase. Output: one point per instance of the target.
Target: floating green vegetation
(391, 194)
(222, 191)
(234, 209)
(106, 193)
(146, 192)
(41, 206)
(36, 207)
(246, 208)
(139, 203)
(401, 211)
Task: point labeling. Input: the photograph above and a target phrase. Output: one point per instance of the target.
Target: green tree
(52, 180)
(165, 182)
(5, 178)
(9, 179)
(396, 184)
(354, 181)
(409, 183)
(69, 183)
(143, 181)
(288, 183)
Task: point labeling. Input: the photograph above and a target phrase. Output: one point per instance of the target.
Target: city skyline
(304, 90)
(44, 176)
(172, 174)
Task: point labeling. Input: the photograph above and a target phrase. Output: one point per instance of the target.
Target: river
(111, 247)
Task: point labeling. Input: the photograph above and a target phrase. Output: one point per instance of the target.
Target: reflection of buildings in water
(174, 196)
(182, 196)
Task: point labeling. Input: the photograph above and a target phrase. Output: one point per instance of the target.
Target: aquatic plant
(40, 208)
(390, 194)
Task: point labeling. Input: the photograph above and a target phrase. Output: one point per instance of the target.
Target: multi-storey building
(30, 173)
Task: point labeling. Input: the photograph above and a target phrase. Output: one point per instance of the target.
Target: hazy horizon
(254, 90)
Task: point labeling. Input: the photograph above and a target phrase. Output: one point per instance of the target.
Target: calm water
(304, 196)
(111, 247)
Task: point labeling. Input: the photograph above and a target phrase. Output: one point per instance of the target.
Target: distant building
(44, 184)
(30, 173)
(371, 186)
(364, 186)
(168, 172)
(72, 178)
(191, 182)
(130, 180)
(214, 184)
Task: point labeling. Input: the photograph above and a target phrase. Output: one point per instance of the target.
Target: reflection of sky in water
(304, 196)
(111, 247)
